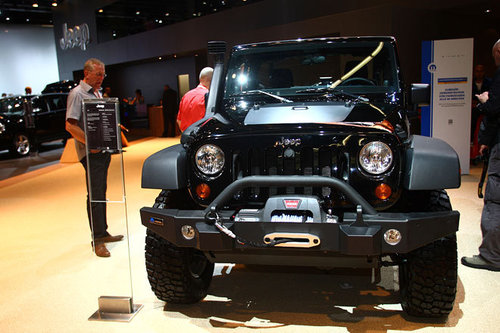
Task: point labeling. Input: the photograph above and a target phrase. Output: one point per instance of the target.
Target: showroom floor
(50, 281)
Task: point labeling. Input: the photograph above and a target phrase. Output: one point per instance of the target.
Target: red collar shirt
(192, 107)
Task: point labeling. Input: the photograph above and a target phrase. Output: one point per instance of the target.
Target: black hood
(320, 113)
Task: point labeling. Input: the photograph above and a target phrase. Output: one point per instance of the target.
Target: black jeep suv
(305, 157)
(30, 120)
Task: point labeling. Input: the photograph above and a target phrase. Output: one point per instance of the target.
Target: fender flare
(165, 169)
(431, 164)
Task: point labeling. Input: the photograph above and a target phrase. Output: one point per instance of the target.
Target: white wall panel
(27, 58)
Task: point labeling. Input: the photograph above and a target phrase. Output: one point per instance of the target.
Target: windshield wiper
(262, 92)
(329, 92)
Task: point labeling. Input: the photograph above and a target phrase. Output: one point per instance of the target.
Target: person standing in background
(170, 108)
(107, 92)
(489, 250)
(480, 84)
(192, 106)
(97, 169)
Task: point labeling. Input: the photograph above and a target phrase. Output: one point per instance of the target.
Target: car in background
(59, 86)
(21, 131)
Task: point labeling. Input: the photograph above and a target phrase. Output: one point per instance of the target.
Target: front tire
(428, 275)
(176, 275)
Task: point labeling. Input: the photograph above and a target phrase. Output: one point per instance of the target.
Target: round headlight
(209, 159)
(375, 157)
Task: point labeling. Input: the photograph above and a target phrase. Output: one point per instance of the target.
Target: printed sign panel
(101, 124)
(447, 67)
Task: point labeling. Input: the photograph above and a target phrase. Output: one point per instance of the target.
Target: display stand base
(116, 308)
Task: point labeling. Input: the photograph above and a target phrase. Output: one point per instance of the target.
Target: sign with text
(101, 124)
(447, 67)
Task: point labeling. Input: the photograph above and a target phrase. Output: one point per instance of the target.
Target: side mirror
(420, 94)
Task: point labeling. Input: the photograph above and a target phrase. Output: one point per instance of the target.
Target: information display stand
(102, 136)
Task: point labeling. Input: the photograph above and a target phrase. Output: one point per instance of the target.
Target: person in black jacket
(489, 250)
(170, 108)
(480, 84)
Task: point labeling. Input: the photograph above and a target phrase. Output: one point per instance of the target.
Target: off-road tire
(176, 275)
(428, 275)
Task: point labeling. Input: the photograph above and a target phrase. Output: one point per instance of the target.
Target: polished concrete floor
(50, 281)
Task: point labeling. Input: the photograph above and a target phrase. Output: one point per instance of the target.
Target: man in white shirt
(94, 73)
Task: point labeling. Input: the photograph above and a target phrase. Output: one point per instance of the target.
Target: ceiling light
(487, 11)
(137, 12)
(35, 4)
(54, 3)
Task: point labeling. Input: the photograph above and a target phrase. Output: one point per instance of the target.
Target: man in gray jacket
(489, 250)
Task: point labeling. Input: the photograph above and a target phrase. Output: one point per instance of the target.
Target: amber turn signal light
(383, 191)
(203, 191)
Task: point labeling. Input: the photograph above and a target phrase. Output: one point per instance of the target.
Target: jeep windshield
(322, 70)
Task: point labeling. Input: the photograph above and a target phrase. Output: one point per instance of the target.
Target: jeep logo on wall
(73, 37)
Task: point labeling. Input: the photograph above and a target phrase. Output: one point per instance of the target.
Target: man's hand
(483, 149)
(483, 98)
(75, 131)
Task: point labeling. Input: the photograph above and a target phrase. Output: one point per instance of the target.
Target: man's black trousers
(490, 218)
(98, 172)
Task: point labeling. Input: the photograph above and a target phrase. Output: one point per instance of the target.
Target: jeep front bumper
(361, 233)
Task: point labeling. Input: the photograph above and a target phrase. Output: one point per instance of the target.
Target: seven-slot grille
(328, 161)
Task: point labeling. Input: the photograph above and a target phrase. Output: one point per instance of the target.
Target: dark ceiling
(126, 17)
(119, 13)
(27, 11)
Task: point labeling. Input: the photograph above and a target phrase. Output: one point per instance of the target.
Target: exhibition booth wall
(28, 58)
(408, 21)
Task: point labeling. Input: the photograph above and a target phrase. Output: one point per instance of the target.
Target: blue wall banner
(447, 67)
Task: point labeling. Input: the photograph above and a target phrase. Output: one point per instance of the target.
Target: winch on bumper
(297, 221)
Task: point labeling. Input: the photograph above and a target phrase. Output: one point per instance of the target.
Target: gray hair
(91, 63)
(206, 74)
